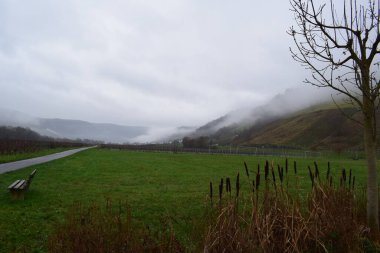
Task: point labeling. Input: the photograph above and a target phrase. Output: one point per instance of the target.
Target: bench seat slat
(20, 186)
(13, 184)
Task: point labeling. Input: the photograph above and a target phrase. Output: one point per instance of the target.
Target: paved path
(5, 167)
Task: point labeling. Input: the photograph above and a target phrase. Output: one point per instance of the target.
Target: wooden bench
(19, 187)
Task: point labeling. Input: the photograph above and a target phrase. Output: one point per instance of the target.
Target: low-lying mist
(288, 102)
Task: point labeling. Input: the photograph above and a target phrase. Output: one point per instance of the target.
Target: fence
(227, 150)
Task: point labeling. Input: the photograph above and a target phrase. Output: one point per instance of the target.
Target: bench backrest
(30, 178)
(32, 174)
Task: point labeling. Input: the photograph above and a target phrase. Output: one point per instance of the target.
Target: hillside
(20, 133)
(71, 129)
(318, 129)
(298, 117)
(225, 129)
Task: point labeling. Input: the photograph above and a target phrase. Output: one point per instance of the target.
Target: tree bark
(372, 191)
(370, 148)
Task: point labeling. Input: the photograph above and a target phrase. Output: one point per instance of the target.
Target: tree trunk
(370, 149)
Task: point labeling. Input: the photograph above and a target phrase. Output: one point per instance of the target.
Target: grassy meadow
(155, 185)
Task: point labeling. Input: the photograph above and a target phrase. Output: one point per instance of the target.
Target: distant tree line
(20, 140)
(20, 133)
(199, 142)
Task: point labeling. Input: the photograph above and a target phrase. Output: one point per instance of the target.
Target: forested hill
(321, 127)
(71, 129)
(317, 129)
(26, 134)
(20, 133)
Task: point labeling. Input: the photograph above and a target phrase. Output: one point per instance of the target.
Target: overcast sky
(152, 63)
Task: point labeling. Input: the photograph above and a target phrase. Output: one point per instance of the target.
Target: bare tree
(340, 45)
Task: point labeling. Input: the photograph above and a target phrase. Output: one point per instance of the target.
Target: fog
(154, 64)
(160, 64)
(292, 100)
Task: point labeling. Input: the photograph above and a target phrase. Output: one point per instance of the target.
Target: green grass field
(155, 185)
(27, 155)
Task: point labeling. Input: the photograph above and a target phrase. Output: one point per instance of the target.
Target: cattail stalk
(266, 170)
(246, 169)
(286, 166)
(311, 175)
(221, 189)
(280, 173)
(228, 185)
(257, 181)
(344, 176)
(316, 170)
(237, 184)
(274, 177)
(211, 192)
(328, 171)
(349, 178)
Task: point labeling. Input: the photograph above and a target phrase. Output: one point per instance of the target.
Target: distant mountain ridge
(281, 105)
(316, 125)
(317, 128)
(72, 129)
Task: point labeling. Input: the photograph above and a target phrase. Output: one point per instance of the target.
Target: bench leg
(18, 195)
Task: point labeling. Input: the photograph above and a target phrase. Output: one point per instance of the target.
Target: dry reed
(273, 220)
(95, 229)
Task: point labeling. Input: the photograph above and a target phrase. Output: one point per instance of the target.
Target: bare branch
(346, 114)
(339, 52)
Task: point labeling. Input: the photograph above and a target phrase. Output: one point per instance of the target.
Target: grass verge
(27, 155)
(156, 185)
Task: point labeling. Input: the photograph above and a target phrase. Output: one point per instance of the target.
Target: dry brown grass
(111, 229)
(331, 219)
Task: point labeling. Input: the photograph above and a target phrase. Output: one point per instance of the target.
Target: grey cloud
(155, 63)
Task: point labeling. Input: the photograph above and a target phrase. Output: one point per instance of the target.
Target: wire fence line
(240, 150)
